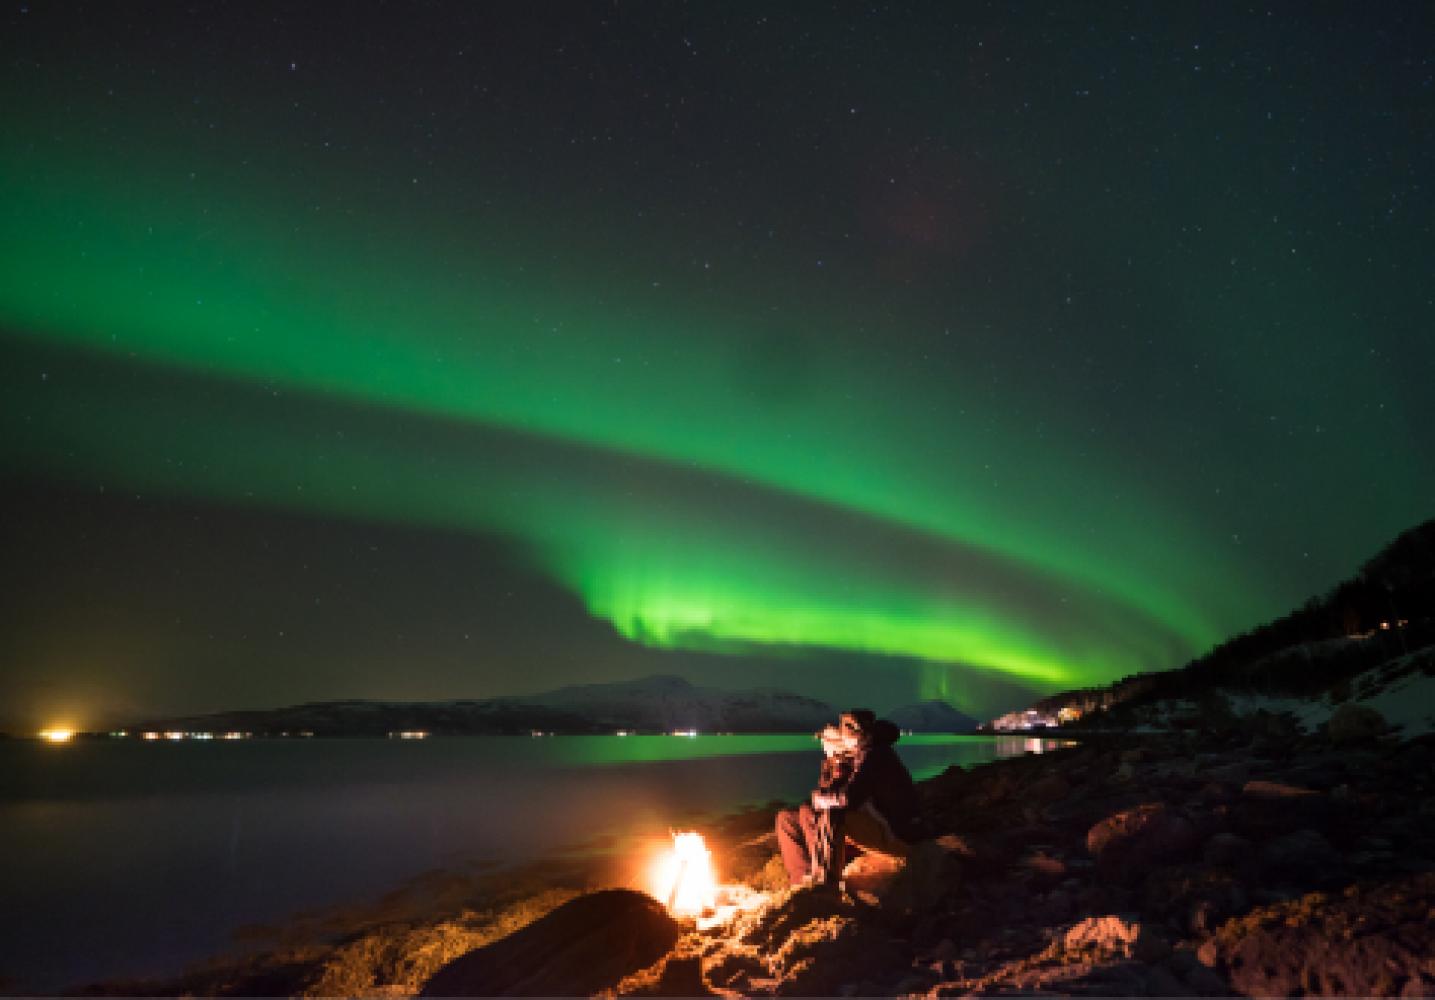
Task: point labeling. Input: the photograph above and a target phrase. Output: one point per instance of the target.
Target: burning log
(685, 880)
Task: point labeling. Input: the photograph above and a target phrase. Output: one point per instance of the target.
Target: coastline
(1245, 856)
(262, 832)
(389, 946)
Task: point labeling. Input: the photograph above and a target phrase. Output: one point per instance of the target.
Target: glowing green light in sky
(1053, 574)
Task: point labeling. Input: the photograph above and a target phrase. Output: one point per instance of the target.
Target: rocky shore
(1243, 857)
(1258, 861)
(1255, 862)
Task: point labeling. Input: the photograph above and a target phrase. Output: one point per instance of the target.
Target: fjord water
(127, 858)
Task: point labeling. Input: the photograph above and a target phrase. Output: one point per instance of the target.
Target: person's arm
(864, 779)
(832, 793)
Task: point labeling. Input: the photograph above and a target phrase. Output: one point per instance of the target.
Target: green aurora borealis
(936, 456)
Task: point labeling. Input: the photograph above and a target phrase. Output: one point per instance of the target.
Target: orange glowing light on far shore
(57, 735)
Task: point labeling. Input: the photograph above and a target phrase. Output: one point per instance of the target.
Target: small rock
(1052, 788)
(1208, 954)
(1057, 906)
(1304, 854)
(1045, 866)
(1352, 724)
(1214, 792)
(1235, 773)
(943, 950)
(1177, 770)
(1117, 934)
(1206, 983)
(1126, 842)
(1151, 946)
(913, 985)
(1275, 790)
(1226, 850)
(955, 846)
(1208, 914)
(1183, 959)
(1160, 982)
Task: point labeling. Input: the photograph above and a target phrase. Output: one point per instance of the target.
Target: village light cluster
(59, 734)
(1033, 719)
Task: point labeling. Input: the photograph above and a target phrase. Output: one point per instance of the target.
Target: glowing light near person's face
(57, 735)
(683, 878)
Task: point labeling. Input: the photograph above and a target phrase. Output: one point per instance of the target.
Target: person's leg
(793, 841)
(830, 857)
(867, 829)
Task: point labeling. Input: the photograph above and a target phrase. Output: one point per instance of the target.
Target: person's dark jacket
(880, 776)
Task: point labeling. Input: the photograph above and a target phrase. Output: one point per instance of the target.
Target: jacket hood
(885, 733)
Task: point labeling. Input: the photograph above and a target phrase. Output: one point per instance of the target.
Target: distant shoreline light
(57, 735)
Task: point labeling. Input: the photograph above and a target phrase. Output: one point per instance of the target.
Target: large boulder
(1366, 941)
(1226, 850)
(584, 946)
(1126, 843)
(1304, 857)
(1352, 724)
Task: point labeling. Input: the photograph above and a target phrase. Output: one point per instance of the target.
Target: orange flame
(684, 879)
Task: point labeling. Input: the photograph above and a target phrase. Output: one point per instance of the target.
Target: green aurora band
(1063, 586)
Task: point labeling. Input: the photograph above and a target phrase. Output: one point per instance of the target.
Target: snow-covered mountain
(932, 717)
(665, 703)
(651, 704)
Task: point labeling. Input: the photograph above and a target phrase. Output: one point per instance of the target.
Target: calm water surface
(125, 858)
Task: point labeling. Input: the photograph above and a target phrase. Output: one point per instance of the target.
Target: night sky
(875, 352)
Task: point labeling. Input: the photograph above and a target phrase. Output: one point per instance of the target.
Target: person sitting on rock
(839, 761)
(866, 797)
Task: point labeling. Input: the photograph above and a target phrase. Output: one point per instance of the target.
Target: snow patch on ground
(1408, 704)
(1402, 691)
(1310, 713)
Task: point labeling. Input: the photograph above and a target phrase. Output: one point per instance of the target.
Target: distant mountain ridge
(665, 703)
(660, 703)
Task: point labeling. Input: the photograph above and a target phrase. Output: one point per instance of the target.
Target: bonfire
(683, 879)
